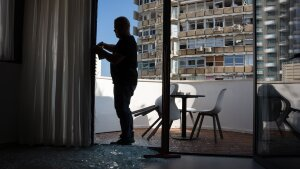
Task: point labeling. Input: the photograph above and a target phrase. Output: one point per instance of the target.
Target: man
(123, 65)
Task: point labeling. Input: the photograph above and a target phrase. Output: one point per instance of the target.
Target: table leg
(183, 119)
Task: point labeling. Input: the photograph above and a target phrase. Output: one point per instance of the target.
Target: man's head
(122, 26)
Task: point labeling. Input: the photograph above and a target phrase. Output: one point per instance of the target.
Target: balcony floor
(234, 143)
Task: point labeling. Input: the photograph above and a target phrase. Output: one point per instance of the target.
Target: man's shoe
(123, 142)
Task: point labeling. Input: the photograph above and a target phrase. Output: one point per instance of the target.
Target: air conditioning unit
(152, 53)
(208, 49)
(200, 49)
(150, 36)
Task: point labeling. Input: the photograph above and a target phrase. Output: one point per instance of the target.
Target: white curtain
(56, 88)
(7, 10)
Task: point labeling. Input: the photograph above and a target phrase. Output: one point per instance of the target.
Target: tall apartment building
(211, 39)
(278, 34)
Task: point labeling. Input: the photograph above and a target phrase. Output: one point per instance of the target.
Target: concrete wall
(236, 115)
(9, 96)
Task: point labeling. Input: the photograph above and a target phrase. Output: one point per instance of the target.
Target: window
(209, 23)
(153, 15)
(191, 63)
(237, 2)
(152, 31)
(152, 0)
(248, 40)
(192, 7)
(145, 48)
(200, 6)
(219, 42)
(146, 1)
(227, 3)
(192, 25)
(183, 27)
(239, 60)
(210, 42)
(191, 43)
(200, 62)
(238, 19)
(200, 24)
(200, 42)
(182, 62)
(209, 5)
(248, 19)
(151, 65)
(140, 48)
(218, 3)
(145, 65)
(182, 9)
(152, 47)
(228, 61)
(140, 33)
(219, 22)
(146, 32)
(182, 44)
(228, 41)
(228, 21)
(141, 2)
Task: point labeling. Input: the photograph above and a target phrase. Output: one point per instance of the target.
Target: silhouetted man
(123, 65)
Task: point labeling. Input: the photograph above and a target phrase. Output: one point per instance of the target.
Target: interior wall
(9, 96)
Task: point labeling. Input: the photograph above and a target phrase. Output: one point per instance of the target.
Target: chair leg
(219, 126)
(280, 131)
(149, 128)
(200, 125)
(154, 131)
(215, 133)
(192, 118)
(195, 126)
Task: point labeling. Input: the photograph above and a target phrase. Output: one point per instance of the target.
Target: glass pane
(278, 80)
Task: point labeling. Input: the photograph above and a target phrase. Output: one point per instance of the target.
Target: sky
(108, 10)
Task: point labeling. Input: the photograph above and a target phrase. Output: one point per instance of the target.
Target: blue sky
(108, 10)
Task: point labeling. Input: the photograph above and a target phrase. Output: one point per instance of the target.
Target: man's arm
(114, 58)
(109, 47)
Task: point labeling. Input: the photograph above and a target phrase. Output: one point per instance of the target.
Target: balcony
(228, 49)
(191, 33)
(239, 69)
(234, 130)
(182, 16)
(248, 28)
(219, 69)
(200, 32)
(228, 29)
(238, 9)
(182, 34)
(228, 10)
(191, 15)
(200, 13)
(248, 8)
(218, 11)
(239, 49)
(229, 69)
(209, 12)
(248, 48)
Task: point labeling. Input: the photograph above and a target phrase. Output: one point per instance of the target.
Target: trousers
(122, 97)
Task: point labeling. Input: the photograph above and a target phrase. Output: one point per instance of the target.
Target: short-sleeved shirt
(125, 72)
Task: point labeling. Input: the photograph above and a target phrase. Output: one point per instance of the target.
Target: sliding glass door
(277, 115)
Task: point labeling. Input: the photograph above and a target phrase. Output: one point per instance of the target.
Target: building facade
(277, 39)
(211, 39)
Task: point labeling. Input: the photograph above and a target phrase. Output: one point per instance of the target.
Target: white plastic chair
(174, 111)
(213, 113)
